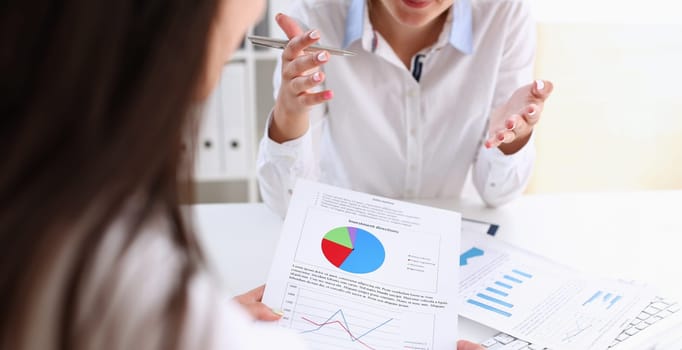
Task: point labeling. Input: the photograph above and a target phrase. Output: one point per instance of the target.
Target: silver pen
(282, 43)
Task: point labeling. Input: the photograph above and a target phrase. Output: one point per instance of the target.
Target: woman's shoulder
(131, 280)
(155, 263)
(137, 281)
(121, 290)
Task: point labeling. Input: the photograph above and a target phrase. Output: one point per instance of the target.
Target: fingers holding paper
(467, 345)
(252, 302)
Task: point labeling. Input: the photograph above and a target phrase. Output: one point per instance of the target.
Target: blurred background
(613, 123)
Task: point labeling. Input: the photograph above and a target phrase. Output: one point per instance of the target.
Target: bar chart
(496, 297)
(603, 299)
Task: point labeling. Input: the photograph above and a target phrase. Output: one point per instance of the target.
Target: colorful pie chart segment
(353, 250)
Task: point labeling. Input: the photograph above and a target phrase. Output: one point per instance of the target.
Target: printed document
(357, 271)
(540, 301)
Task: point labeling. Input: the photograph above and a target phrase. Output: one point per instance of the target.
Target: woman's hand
(300, 74)
(512, 123)
(252, 302)
(467, 345)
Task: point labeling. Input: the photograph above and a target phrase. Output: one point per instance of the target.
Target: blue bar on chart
(521, 273)
(489, 308)
(593, 298)
(497, 291)
(513, 279)
(494, 300)
(503, 285)
(603, 299)
(614, 301)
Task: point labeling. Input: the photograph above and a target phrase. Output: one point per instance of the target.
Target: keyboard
(657, 310)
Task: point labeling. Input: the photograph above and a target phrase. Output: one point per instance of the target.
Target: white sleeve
(499, 178)
(126, 297)
(280, 165)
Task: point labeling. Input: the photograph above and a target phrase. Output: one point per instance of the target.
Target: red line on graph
(344, 328)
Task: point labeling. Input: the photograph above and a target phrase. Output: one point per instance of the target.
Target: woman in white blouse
(95, 252)
(438, 87)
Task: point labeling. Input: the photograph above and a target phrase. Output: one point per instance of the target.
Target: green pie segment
(340, 236)
(353, 250)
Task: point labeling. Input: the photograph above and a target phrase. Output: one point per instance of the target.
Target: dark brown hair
(95, 101)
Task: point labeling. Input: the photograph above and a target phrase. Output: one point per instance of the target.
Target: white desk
(628, 235)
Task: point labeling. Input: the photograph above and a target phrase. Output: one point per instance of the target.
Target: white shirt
(123, 301)
(409, 134)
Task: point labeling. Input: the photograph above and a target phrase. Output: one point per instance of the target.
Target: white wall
(606, 11)
(614, 121)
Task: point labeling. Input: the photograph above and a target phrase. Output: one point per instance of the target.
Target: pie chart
(353, 250)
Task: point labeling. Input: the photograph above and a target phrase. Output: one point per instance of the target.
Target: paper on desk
(537, 300)
(364, 272)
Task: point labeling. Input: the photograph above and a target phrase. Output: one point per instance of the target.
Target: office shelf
(233, 119)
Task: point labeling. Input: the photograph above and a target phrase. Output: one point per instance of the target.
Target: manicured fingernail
(328, 95)
(277, 17)
(314, 35)
(539, 84)
(500, 137)
(322, 56)
(278, 312)
(532, 112)
(317, 77)
(510, 124)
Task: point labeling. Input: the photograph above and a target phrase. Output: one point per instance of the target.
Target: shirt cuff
(293, 149)
(499, 159)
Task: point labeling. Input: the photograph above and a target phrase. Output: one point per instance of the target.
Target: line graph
(345, 327)
(328, 320)
(573, 333)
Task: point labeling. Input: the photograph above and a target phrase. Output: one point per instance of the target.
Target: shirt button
(411, 92)
(492, 184)
(413, 131)
(413, 167)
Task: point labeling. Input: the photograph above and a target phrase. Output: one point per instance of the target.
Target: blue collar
(461, 36)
